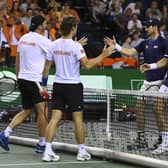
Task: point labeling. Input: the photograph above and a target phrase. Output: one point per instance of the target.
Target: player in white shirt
(67, 88)
(32, 51)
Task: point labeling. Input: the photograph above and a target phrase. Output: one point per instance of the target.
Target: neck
(38, 31)
(154, 36)
(68, 36)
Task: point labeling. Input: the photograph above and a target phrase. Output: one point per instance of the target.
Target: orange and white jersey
(33, 49)
(3, 38)
(67, 55)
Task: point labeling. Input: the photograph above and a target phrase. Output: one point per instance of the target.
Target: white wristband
(153, 66)
(118, 47)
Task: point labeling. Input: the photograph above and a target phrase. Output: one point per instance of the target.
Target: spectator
(26, 19)
(155, 11)
(136, 40)
(134, 24)
(122, 22)
(68, 11)
(135, 7)
(98, 11)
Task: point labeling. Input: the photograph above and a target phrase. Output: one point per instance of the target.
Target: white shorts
(151, 86)
(163, 89)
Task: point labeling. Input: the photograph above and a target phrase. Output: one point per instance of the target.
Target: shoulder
(24, 36)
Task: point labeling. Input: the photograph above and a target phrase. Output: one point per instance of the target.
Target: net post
(108, 116)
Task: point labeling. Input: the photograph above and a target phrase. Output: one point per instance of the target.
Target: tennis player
(32, 51)
(67, 87)
(163, 147)
(154, 49)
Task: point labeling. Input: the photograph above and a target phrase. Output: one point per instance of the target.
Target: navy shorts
(67, 96)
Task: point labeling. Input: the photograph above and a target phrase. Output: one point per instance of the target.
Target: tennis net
(112, 120)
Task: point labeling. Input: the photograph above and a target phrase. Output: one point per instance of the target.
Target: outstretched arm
(88, 64)
(122, 50)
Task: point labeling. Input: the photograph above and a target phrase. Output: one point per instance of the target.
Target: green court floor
(25, 157)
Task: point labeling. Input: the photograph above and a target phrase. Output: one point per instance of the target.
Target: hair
(67, 24)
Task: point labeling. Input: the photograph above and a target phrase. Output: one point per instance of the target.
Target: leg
(49, 155)
(159, 109)
(17, 120)
(79, 127)
(42, 121)
(52, 126)
(159, 114)
(80, 136)
(140, 121)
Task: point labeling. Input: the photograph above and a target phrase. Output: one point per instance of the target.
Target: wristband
(44, 81)
(153, 66)
(118, 47)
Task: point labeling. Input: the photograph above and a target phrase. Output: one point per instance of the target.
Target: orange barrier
(108, 62)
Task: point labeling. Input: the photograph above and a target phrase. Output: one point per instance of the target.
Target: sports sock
(48, 148)
(164, 138)
(7, 131)
(41, 141)
(82, 148)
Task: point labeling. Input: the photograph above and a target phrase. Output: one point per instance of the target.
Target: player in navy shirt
(163, 147)
(154, 49)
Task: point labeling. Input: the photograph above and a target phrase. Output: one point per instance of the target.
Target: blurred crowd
(123, 18)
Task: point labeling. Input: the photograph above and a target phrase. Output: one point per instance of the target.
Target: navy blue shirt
(166, 79)
(153, 51)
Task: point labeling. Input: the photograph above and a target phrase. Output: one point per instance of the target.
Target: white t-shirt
(67, 54)
(33, 49)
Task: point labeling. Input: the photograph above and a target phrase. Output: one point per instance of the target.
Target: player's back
(67, 54)
(32, 56)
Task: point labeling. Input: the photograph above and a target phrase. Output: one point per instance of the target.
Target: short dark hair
(35, 22)
(67, 24)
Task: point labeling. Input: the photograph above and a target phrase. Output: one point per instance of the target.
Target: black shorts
(29, 93)
(70, 95)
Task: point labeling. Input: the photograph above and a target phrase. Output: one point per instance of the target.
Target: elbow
(87, 67)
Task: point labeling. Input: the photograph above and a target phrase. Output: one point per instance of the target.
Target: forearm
(17, 65)
(46, 72)
(125, 51)
(162, 63)
(94, 62)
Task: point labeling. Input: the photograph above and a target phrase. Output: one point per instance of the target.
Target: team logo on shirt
(147, 46)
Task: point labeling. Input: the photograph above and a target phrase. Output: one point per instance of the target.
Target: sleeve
(46, 46)
(166, 48)
(79, 52)
(140, 48)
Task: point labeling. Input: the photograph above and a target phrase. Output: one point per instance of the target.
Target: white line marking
(51, 163)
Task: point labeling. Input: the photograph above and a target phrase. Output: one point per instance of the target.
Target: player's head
(37, 22)
(68, 26)
(152, 26)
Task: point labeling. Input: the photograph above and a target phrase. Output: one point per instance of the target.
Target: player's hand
(144, 67)
(83, 41)
(44, 93)
(109, 41)
(107, 51)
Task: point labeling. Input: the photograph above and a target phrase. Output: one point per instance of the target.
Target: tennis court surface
(25, 157)
(110, 126)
